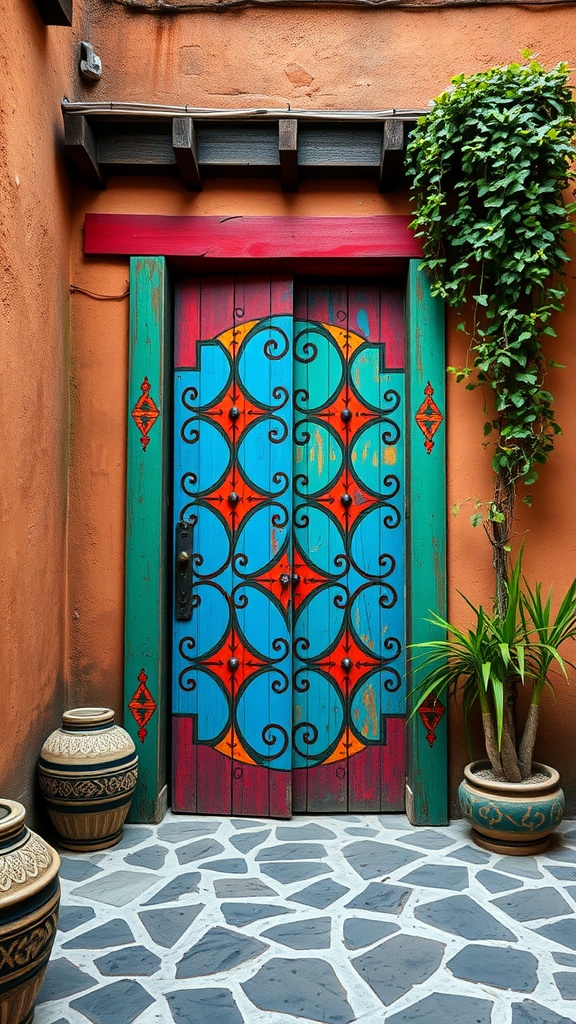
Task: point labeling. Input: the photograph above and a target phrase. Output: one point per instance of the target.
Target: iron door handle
(183, 573)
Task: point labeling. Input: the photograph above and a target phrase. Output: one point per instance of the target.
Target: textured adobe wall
(311, 58)
(34, 248)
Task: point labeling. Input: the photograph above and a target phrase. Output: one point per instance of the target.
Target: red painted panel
(364, 782)
(393, 764)
(327, 788)
(250, 237)
(214, 782)
(183, 752)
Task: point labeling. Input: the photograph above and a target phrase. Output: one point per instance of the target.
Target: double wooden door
(289, 493)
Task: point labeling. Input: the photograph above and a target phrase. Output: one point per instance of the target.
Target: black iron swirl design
(393, 647)
(301, 683)
(278, 431)
(392, 400)
(393, 517)
(391, 432)
(188, 432)
(281, 684)
(188, 483)
(277, 345)
(271, 735)
(190, 398)
(392, 680)
(301, 400)
(281, 396)
(304, 733)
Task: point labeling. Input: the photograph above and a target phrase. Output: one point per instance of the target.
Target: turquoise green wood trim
(145, 648)
(427, 783)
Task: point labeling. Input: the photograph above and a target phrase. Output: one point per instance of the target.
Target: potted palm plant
(512, 802)
(488, 166)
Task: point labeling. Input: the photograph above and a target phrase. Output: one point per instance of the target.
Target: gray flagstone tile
(562, 855)
(121, 1002)
(133, 961)
(566, 984)
(228, 866)
(302, 832)
(439, 1008)
(63, 978)
(562, 932)
(363, 931)
(199, 850)
(132, 835)
(494, 881)
(294, 871)
(292, 851)
(208, 1006)
(308, 989)
(524, 867)
(112, 933)
(186, 828)
(118, 888)
(152, 857)
(320, 894)
(241, 823)
(182, 885)
(371, 859)
(493, 965)
(460, 915)
(397, 965)
(563, 874)
(218, 950)
(249, 840)
(78, 870)
(470, 855)
(427, 839)
(382, 898)
(312, 934)
(166, 926)
(71, 917)
(360, 831)
(248, 888)
(529, 1012)
(533, 904)
(240, 914)
(438, 876)
(565, 959)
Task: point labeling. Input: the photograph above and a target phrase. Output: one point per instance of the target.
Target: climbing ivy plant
(488, 166)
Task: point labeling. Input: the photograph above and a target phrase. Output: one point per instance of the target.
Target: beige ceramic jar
(29, 900)
(87, 772)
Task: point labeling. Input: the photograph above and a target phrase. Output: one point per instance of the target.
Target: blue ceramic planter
(515, 818)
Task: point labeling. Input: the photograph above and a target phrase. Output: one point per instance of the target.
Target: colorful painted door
(289, 611)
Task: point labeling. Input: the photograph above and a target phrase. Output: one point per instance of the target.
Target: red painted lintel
(239, 237)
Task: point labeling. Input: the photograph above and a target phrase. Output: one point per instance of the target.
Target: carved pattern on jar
(96, 787)
(18, 866)
(85, 745)
(29, 946)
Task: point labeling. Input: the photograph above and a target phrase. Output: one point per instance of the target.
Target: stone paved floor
(333, 919)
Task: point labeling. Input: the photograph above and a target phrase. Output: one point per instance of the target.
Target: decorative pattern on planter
(512, 818)
(87, 771)
(29, 902)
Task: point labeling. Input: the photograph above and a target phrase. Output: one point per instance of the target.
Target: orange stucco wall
(34, 370)
(315, 58)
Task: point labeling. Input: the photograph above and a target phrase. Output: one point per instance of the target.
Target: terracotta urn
(29, 901)
(87, 772)
(512, 818)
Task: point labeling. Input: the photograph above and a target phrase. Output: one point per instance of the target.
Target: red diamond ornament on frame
(428, 417)
(142, 706)
(145, 413)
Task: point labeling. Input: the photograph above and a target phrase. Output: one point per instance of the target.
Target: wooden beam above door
(291, 146)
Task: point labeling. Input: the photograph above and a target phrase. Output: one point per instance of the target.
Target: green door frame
(150, 241)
